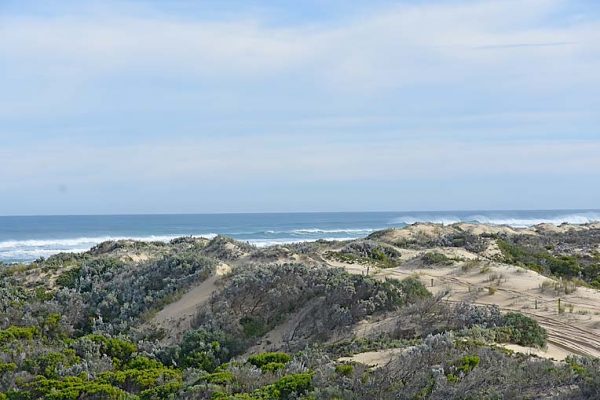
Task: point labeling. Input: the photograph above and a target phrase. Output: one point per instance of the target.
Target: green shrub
(540, 260)
(524, 330)
(69, 278)
(7, 367)
(203, 349)
(48, 364)
(114, 347)
(166, 391)
(220, 378)
(260, 360)
(288, 387)
(344, 369)
(253, 326)
(142, 362)
(434, 258)
(293, 384)
(272, 367)
(468, 363)
(74, 388)
(414, 290)
(135, 381)
(18, 333)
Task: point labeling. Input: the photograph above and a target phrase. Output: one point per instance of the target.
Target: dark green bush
(524, 330)
(203, 349)
(18, 333)
(540, 260)
(253, 326)
(220, 378)
(113, 347)
(344, 369)
(69, 278)
(260, 360)
(433, 258)
(468, 363)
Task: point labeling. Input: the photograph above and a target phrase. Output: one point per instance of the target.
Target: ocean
(26, 238)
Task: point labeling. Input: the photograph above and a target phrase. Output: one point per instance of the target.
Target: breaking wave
(514, 221)
(29, 250)
(267, 232)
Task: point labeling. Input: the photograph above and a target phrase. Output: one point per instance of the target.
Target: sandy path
(187, 304)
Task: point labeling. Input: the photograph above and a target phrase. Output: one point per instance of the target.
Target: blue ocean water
(24, 239)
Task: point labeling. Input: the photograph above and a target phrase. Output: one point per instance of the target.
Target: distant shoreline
(477, 228)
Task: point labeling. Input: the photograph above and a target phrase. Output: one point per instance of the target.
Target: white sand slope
(176, 317)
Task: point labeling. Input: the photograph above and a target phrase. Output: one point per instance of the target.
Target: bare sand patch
(176, 317)
(573, 330)
(375, 359)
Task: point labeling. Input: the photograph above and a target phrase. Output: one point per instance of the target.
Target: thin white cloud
(529, 76)
(399, 46)
(253, 160)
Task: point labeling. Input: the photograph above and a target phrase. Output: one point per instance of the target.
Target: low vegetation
(85, 333)
(549, 261)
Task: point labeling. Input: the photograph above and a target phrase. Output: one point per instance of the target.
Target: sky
(182, 106)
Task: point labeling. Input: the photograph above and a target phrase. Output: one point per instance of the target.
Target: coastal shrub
(434, 258)
(119, 349)
(259, 297)
(344, 369)
(71, 388)
(524, 330)
(135, 381)
(262, 359)
(225, 248)
(540, 260)
(253, 326)
(49, 364)
(203, 349)
(288, 387)
(43, 357)
(18, 333)
(220, 377)
(412, 290)
(113, 294)
(69, 277)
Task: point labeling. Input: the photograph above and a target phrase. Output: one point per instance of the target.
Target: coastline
(29, 250)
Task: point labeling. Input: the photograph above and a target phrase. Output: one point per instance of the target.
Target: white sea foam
(33, 254)
(317, 231)
(272, 242)
(27, 250)
(30, 249)
(518, 222)
(72, 242)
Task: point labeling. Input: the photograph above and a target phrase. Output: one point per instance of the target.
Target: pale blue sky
(245, 106)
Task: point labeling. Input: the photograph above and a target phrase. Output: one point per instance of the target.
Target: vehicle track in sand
(566, 331)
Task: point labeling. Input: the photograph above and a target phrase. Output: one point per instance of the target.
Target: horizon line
(293, 212)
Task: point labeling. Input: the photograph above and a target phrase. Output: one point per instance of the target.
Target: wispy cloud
(324, 160)
(416, 90)
(518, 45)
(398, 46)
